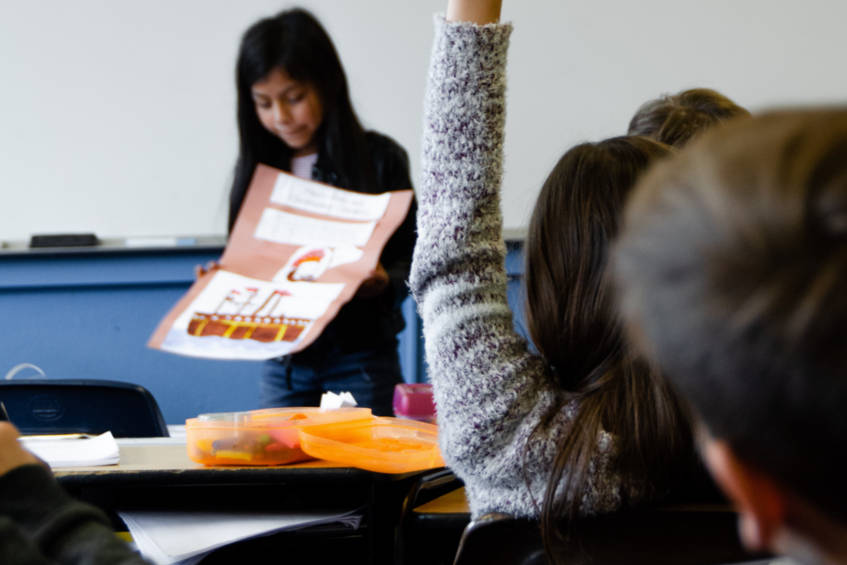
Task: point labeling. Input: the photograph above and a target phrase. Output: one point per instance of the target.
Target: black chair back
(54, 406)
(429, 538)
(660, 536)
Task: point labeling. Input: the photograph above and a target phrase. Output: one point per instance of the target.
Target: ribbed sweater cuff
(462, 42)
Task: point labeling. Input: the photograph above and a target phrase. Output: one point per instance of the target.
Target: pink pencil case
(414, 401)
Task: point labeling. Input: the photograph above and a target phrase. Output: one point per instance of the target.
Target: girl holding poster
(295, 114)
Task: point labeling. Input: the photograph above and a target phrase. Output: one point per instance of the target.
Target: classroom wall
(118, 117)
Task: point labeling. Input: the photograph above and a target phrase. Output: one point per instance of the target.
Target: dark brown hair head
(732, 266)
(575, 217)
(573, 324)
(675, 118)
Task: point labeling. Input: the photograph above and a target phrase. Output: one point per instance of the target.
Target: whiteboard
(118, 117)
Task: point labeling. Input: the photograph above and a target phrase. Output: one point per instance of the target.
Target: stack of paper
(169, 537)
(74, 450)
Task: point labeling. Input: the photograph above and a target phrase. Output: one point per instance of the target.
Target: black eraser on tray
(64, 240)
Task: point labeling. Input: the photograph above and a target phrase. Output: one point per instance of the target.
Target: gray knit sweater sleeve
(490, 392)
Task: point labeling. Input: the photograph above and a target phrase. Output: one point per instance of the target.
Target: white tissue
(332, 401)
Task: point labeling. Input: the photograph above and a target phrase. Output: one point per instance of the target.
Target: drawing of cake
(233, 319)
(310, 265)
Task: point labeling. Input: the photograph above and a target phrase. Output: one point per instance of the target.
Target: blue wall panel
(90, 314)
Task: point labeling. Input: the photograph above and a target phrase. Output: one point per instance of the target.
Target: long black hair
(296, 42)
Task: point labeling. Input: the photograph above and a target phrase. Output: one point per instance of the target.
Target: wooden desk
(157, 474)
(156, 457)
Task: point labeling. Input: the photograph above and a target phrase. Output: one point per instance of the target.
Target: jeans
(369, 375)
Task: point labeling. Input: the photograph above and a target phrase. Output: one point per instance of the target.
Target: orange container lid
(384, 445)
(258, 437)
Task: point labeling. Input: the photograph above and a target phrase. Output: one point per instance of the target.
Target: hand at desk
(200, 270)
(12, 454)
(40, 523)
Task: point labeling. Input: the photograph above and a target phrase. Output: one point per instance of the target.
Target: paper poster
(298, 252)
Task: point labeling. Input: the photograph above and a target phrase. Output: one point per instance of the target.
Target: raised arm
(490, 391)
(498, 415)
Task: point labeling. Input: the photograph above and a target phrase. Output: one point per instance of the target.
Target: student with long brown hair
(581, 426)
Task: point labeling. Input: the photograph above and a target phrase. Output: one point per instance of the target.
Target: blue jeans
(369, 375)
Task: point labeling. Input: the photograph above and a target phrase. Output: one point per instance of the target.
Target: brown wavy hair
(572, 321)
(674, 119)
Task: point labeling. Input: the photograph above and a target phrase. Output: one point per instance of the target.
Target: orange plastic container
(258, 437)
(385, 445)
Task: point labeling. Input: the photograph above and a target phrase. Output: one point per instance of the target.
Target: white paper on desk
(74, 450)
(168, 537)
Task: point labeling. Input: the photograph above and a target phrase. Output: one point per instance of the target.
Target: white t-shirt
(302, 166)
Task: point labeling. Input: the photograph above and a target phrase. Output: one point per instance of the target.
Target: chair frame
(92, 406)
(671, 535)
